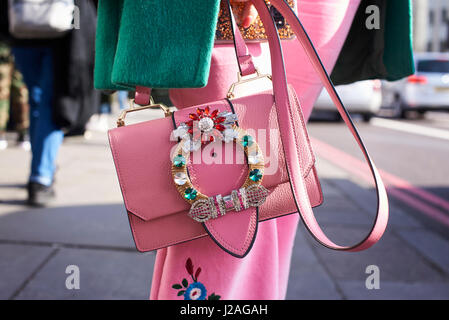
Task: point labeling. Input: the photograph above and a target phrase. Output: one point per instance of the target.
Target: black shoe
(39, 195)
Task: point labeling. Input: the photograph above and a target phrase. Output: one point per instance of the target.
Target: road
(412, 155)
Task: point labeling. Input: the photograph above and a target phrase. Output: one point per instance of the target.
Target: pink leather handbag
(170, 199)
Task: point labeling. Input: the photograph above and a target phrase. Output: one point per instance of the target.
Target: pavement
(87, 227)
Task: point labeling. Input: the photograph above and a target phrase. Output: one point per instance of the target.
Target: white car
(427, 89)
(362, 97)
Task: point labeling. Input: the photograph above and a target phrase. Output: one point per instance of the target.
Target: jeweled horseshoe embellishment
(250, 194)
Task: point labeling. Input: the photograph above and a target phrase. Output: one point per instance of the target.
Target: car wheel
(421, 114)
(367, 117)
(336, 117)
(414, 114)
(398, 108)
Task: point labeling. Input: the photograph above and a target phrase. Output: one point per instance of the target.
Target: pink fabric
(263, 273)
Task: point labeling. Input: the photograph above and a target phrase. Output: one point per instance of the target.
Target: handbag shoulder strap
(284, 113)
(244, 58)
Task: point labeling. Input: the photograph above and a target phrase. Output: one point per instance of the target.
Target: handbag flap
(142, 156)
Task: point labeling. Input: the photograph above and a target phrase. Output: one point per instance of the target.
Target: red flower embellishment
(203, 122)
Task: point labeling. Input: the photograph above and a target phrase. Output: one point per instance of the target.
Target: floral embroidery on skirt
(195, 290)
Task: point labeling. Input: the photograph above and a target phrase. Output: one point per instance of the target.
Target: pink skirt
(199, 269)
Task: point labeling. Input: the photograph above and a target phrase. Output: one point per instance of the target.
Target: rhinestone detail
(191, 145)
(255, 175)
(190, 194)
(254, 158)
(180, 178)
(206, 124)
(179, 161)
(247, 141)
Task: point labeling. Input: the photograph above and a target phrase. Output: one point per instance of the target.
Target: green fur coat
(382, 52)
(168, 43)
(154, 43)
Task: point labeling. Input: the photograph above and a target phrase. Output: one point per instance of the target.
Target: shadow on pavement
(37, 246)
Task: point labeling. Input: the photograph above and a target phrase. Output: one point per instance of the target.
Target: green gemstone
(190, 194)
(247, 141)
(179, 161)
(255, 175)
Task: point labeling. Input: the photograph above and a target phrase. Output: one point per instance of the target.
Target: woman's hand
(249, 13)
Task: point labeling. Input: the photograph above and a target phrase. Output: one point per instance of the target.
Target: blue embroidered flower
(195, 291)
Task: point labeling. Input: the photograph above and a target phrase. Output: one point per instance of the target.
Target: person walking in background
(20, 109)
(13, 100)
(122, 98)
(36, 64)
(58, 72)
(5, 87)
(100, 121)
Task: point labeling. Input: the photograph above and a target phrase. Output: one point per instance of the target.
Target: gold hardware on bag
(256, 31)
(241, 80)
(152, 105)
